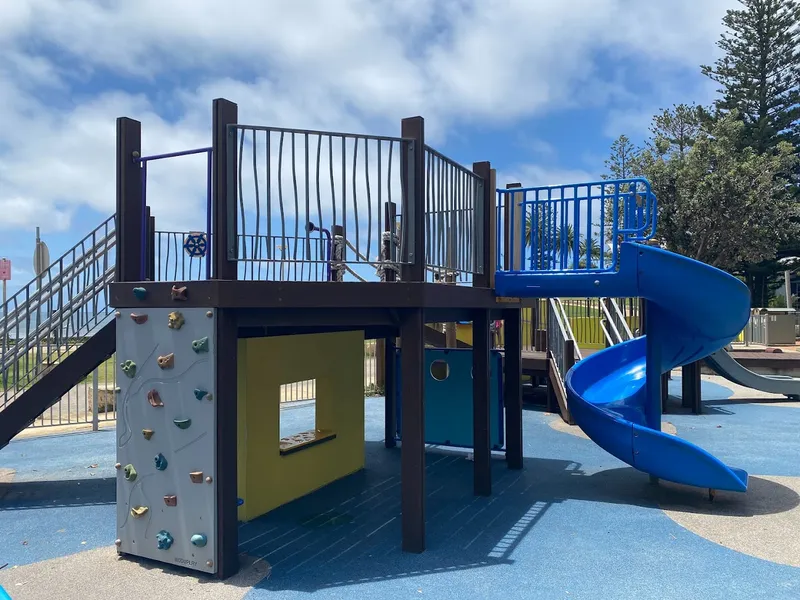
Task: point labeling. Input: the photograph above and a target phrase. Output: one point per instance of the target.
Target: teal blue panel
(448, 403)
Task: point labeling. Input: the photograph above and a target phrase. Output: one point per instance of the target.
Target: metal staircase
(56, 330)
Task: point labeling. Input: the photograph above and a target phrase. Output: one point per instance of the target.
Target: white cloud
(355, 65)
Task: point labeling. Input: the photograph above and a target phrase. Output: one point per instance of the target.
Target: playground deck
(616, 536)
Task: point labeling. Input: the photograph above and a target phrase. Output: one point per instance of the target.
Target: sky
(539, 88)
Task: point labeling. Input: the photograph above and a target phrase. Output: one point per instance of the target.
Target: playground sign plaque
(5, 269)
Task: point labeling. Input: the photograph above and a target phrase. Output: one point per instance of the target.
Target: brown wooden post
(390, 392)
(224, 224)
(484, 209)
(691, 386)
(388, 346)
(225, 355)
(512, 390)
(412, 462)
(413, 210)
(481, 407)
(130, 209)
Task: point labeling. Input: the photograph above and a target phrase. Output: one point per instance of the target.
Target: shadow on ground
(350, 532)
(25, 495)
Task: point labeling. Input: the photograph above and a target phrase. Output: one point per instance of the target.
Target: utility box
(778, 326)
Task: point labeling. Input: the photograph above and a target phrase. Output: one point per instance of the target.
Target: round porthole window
(440, 370)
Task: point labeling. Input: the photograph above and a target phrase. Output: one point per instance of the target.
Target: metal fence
(453, 201)
(319, 194)
(94, 399)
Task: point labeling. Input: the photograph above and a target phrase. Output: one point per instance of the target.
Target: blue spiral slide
(614, 396)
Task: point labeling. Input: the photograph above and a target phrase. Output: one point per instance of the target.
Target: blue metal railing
(572, 228)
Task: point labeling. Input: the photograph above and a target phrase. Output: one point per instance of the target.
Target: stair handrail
(54, 285)
(620, 318)
(108, 240)
(60, 315)
(567, 326)
(614, 336)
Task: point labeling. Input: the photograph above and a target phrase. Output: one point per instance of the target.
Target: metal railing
(52, 315)
(613, 322)
(560, 341)
(308, 188)
(574, 227)
(453, 227)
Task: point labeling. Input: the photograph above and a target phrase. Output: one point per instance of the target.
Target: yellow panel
(336, 360)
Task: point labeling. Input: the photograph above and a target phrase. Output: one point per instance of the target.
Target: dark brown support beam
(481, 407)
(226, 459)
(223, 199)
(484, 211)
(691, 387)
(413, 209)
(413, 432)
(130, 206)
(512, 372)
(664, 392)
(390, 392)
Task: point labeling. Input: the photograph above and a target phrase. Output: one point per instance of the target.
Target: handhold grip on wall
(161, 462)
(129, 368)
(200, 345)
(139, 319)
(130, 472)
(179, 293)
(167, 361)
(140, 293)
(137, 512)
(154, 398)
(164, 540)
(175, 320)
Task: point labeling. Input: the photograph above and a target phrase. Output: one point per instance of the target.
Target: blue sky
(540, 88)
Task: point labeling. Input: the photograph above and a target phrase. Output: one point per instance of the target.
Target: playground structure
(282, 275)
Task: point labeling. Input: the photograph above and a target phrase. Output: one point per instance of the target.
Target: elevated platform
(285, 307)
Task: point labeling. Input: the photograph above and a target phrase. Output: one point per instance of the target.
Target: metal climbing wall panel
(166, 496)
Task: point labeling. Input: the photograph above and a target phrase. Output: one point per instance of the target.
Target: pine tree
(760, 71)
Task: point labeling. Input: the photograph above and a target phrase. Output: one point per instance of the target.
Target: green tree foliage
(759, 72)
(719, 201)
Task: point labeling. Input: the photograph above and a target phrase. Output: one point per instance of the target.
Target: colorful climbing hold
(179, 293)
(139, 319)
(118, 542)
(175, 320)
(199, 540)
(137, 512)
(140, 293)
(147, 433)
(161, 462)
(209, 479)
(196, 476)
(154, 398)
(239, 501)
(200, 345)
(200, 394)
(129, 368)
(182, 423)
(167, 361)
(164, 539)
(130, 472)
(210, 314)
(171, 500)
